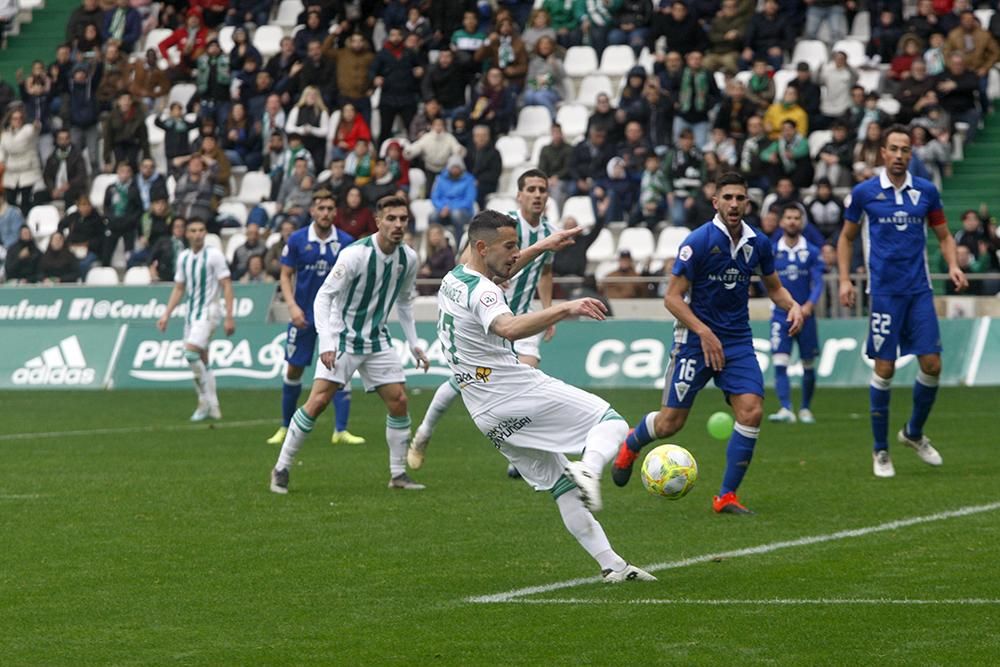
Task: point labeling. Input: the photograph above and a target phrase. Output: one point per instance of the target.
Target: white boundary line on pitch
(136, 429)
(749, 551)
(768, 602)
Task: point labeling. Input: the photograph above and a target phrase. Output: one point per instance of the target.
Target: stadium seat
(870, 80)
(267, 39)
(781, 80)
(272, 239)
(98, 188)
(637, 240)
(591, 86)
(533, 121)
(288, 13)
(255, 187)
(402, 141)
(536, 149)
(552, 212)
(669, 242)
(226, 42)
(154, 37)
(744, 77)
(513, 150)
(603, 247)
(43, 220)
(811, 51)
(156, 135)
(235, 241)
(213, 240)
(418, 183)
(137, 275)
(889, 104)
(581, 209)
(720, 79)
(580, 61)
(854, 49)
(181, 92)
(604, 268)
(102, 275)
(984, 16)
(617, 60)
(421, 210)
(861, 27)
(646, 59)
(233, 209)
(818, 139)
(501, 204)
(573, 119)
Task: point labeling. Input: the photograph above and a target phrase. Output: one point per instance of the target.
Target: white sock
(199, 370)
(603, 442)
(210, 396)
(397, 436)
(446, 393)
(300, 426)
(587, 531)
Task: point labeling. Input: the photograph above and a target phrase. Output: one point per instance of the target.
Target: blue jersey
(896, 231)
(312, 258)
(800, 268)
(719, 272)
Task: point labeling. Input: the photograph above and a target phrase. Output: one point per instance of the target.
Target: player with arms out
(535, 274)
(896, 208)
(534, 420)
(708, 295)
(305, 261)
(351, 310)
(201, 271)
(800, 267)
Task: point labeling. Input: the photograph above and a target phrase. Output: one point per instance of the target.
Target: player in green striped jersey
(533, 272)
(201, 271)
(350, 312)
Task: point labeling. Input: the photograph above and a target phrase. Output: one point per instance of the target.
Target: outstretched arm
(516, 327)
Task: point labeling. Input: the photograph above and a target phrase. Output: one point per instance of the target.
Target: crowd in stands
(152, 114)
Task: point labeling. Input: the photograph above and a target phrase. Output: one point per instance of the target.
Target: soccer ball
(669, 471)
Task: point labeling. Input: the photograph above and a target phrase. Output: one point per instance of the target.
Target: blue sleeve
(766, 257)
(688, 258)
(935, 199)
(344, 238)
(290, 254)
(813, 235)
(856, 209)
(816, 272)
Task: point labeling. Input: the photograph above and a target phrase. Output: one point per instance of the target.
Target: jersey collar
(799, 245)
(314, 238)
(746, 234)
(885, 183)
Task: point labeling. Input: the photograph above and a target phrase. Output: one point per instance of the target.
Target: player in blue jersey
(800, 267)
(896, 208)
(709, 296)
(306, 259)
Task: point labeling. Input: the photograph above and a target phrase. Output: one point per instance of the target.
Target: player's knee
(293, 372)
(885, 369)
(396, 403)
(931, 365)
(750, 415)
(668, 422)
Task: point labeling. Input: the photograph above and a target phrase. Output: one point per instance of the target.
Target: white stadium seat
(255, 187)
(984, 16)
(533, 121)
(581, 209)
(226, 42)
(102, 275)
(156, 135)
(592, 86)
(98, 188)
(603, 247)
(235, 241)
(137, 275)
(181, 92)
(638, 241)
(861, 27)
(418, 183)
(617, 60)
(580, 61)
(233, 209)
(267, 39)
(669, 243)
(421, 210)
(870, 80)
(818, 139)
(536, 149)
(513, 151)
(573, 119)
(781, 80)
(43, 220)
(154, 37)
(604, 268)
(501, 204)
(288, 13)
(811, 51)
(214, 241)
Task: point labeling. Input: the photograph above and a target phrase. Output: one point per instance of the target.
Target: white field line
(135, 429)
(508, 596)
(766, 602)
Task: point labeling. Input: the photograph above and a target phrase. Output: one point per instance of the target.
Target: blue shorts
(687, 374)
(902, 324)
(807, 338)
(300, 345)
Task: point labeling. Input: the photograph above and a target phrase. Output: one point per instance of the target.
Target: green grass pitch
(137, 539)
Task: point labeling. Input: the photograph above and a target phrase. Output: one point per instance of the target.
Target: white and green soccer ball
(669, 471)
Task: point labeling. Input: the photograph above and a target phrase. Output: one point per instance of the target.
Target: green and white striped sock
(300, 426)
(397, 436)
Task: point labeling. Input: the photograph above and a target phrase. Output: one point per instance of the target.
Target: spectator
(589, 160)
(631, 24)
(885, 34)
(279, 67)
(768, 36)
(605, 117)
(760, 88)
(176, 142)
(316, 70)
(123, 207)
(545, 77)
(910, 50)
(595, 20)
(932, 151)
(634, 150)
(19, 154)
(751, 166)
(253, 247)
(272, 120)
(723, 147)
(243, 50)
(152, 185)
(359, 162)
(57, 264)
(445, 81)
(911, 89)
(454, 197)
(809, 93)
(88, 13)
(493, 102)
(312, 30)
(923, 22)
(969, 263)
(146, 81)
(398, 165)
(338, 182)
(629, 287)
(350, 129)
(194, 196)
(397, 71)
(311, 119)
(554, 160)
(572, 260)
(934, 55)
(153, 225)
(272, 258)
(656, 114)
(504, 49)
(837, 79)
(213, 78)
(353, 217)
(190, 41)
(702, 209)
(434, 148)
(826, 212)
(163, 256)
(698, 95)
(243, 12)
(83, 114)
(440, 258)
(216, 162)
(735, 111)
(836, 158)
(653, 192)
(680, 28)
(241, 142)
(353, 63)
(125, 136)
(65, 171)
(684, 167)
(122, 24)
(978, 48)
(88, 45)
(539, 25)
(84, 230)
(417, 25)
(614, 196)
(11, 220)
(256, 272)
(22, 258)
(382, 183)
(564, 20)
(787, 109)
(868, 154)
(789, 156)
(726, 36)
(421, 123)
(829, 12)
(483, 163)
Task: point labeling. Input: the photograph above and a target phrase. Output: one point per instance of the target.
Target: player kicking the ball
(351, 310)
(201, 271)
(708, 294)
(534, 420)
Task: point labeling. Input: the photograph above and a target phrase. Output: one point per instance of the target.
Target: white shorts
(530, 346)
(535, 429)
(199, 332)
(375, 368)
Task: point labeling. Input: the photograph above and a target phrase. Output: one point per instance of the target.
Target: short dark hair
(195, 220)
(390, 201)
(790, 206)
(730, 178)
(486, 223)
(895, 129)
(531, 173)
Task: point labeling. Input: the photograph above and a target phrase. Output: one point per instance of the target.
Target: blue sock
(341, 409)
(878, 393)
(290, 392)
(808, 386)
(738, 455)
(924, 393)
(642, 434)
(782, 387)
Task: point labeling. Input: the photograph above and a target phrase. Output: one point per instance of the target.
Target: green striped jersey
(352, 307)
(521, 288)
(200, 272)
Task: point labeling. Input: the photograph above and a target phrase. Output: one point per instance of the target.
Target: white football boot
(806, 416)
(588, 483)
(782, 416)
(922, 447)
(882, 464)
(628, 573)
